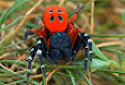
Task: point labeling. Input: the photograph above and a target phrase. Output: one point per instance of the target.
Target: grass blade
(16, 82)
(72, 78)
(14, 22)
(18, 75)
(97, 52)
(107, 78)
(84, 76)
(123, 18)
(104, 36)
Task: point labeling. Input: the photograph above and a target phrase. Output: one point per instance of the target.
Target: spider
(57, 39)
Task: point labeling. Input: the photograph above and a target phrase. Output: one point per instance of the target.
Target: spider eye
(59, 11)
(50, 11)
(60, 18)
(52, 18)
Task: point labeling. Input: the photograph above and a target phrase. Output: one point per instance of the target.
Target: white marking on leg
(32, 49)
(42, 66)
(28, 69)
(86, 35)
(86, 58)
(86, 46)
(90, 52)
(39, 42)
(89, 40)
(30, 57)
(39, 51)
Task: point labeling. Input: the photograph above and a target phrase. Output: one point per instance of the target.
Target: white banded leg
(89, 41)
(85, 45)
(30, 59)
(90, 49)
(86, 57)
(39, 53)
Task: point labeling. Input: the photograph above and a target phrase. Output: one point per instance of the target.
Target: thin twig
(6, 68)
(22, 59)
(92, 30)
(6, 3)
(21, 71)
(49, 76)
(92, 17)
(33, 16)
(38, 76)
(61, 2)
(108, 44)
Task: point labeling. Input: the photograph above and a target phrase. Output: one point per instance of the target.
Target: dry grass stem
(108, 44)
(4, 56)
(21, 71)
(6, 68)
(33, 16)
(6, 3)
(22, 59)
(49, 76)
(61, 2)
(88, 73)
(92, 17)
(38, 76)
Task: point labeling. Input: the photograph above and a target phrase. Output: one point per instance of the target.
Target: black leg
(40, 49)
(84, 44)
(30, 59)
(90, 49)
(74, 56)
(89, 41)
(39, 22)
(48, 58)
(86, 57)
(28, 32)
(81, 41)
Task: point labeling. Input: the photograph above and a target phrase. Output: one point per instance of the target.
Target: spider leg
(39, 22)
(89, 41)
(86, 57)
(30, 59)
(74, 16)
(48, 58)
(84, 44)
(40, 49)
(30, 32)
(79, 7)
(74, 56)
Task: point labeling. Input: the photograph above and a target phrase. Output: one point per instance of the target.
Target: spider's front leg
(30, 59)
(86, 42)
(34, 30)
(40, 50)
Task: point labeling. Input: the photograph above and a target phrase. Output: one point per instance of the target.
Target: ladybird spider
(57, 39)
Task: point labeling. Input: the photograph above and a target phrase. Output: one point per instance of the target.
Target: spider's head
(55, 19)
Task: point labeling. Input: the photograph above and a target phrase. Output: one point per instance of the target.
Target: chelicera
(57, 39)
